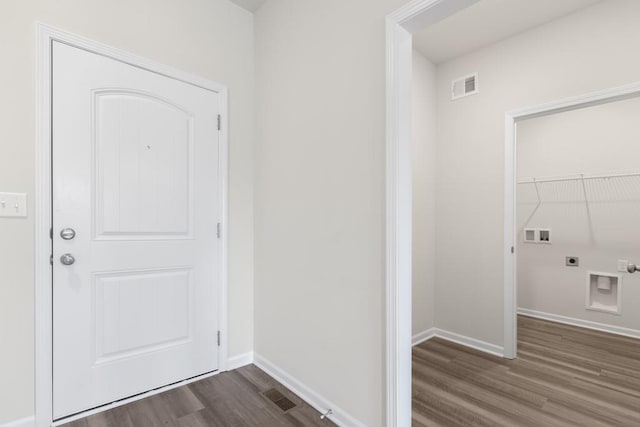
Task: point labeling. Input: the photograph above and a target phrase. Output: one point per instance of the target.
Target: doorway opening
(477, 91)
(576, 172)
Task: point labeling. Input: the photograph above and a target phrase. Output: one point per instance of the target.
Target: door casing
(510, 174)
(43, 282)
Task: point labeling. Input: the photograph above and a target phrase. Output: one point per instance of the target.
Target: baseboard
(423, 336)
(484, 346)
(496, 350)
(617, 330)
(322, 405)
(240, 360)
(22, 422)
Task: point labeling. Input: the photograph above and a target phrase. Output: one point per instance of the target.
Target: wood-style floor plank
(229, 399)
(563, 376)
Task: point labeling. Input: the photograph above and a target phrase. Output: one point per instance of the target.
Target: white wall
(424, 192)
(587, 51)
(319, 207)
(596, 140)
(212, 38)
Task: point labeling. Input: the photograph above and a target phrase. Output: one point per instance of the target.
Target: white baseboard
(618, 330)
(322, 405)
(484, 346)
(496, 350)
(240, 360)
(22, 422)
(423, 336)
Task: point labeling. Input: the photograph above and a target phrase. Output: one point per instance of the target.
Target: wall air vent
(464, 86)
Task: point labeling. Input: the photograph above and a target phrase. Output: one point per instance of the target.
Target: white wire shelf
(580, 177)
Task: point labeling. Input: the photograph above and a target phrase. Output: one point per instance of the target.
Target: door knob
(632, 268)
(67, 233)
(67, 259)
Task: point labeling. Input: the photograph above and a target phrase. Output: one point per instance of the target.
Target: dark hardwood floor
(563, 376)
(230, 399)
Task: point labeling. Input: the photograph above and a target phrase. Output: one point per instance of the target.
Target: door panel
(143, 190)
(135, 174)
(141, 311)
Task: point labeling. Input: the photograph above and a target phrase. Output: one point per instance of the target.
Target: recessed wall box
(530, 235)
(537, 235)
(544, 235)
(604, 292)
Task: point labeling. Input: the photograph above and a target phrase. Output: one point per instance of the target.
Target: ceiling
(250, 5)
(488, 22)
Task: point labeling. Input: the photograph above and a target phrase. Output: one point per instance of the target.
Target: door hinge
(219, 122)
(218, 232)
(218, 338)
(51, 259)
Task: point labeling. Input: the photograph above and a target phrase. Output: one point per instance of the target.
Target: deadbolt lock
(67, 233)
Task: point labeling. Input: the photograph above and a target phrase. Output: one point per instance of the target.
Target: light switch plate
(13, 205)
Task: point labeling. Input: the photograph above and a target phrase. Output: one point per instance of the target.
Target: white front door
(135, 176)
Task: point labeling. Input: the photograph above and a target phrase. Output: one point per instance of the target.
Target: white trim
(606, 96)
(483, 346)
(419, 14)
(510, 249)
(22, 422)
(223, 242)
(51, 33)
(400, 24)
(42, 213)
(132, 399)
(602, 327)
(423, 336)
(510, 233)
(239, 361)
(318, 402)
(398, 227)
(45, 36)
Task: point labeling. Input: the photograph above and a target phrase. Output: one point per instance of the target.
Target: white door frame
(510, 179)
(400, 25)
(45, 36)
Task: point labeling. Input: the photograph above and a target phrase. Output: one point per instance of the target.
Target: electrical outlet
(544, 235)
(572, 261)
(622, 265)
